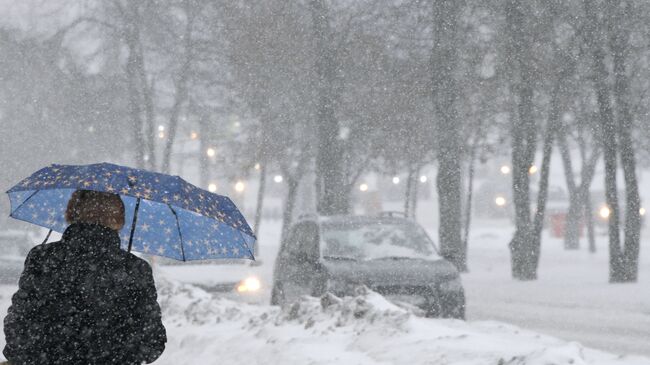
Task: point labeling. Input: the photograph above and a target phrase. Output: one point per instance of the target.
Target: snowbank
(364, 329)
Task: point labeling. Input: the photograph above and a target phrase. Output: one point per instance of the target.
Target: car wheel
(432, 306)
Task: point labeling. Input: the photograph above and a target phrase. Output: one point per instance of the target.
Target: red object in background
(558, 225)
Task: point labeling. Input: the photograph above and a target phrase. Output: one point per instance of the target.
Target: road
(571, 299)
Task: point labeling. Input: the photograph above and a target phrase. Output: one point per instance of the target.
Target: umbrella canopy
(165, 215)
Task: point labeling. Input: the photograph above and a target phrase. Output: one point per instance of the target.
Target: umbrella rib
(23, 203)
(178, 226)
(134, 223)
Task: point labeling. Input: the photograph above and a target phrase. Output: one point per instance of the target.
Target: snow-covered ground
(571, 301)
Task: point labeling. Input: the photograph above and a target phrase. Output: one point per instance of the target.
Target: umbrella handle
(44, 242)
(135, 221)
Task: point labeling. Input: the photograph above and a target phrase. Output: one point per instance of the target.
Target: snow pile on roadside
(364, 329)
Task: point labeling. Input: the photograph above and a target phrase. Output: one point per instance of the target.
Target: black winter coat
(83, 300)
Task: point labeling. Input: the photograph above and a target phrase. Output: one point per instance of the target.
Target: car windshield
(375, 240)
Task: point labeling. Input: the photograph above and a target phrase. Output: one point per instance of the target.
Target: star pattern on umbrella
(207, 224)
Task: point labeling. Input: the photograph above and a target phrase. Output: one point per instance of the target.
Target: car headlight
(251, 284)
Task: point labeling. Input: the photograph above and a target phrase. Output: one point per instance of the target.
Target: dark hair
(96, 207)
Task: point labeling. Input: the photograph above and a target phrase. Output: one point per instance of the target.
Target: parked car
(390, 255)
(14, 246)
(234, 279)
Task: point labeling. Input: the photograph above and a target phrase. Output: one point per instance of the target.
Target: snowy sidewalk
(356, 330)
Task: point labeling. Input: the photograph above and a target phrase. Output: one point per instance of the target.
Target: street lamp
(194, 135)
(532, 170)
(363, 187)
(500, 201)
(423, 179)
(505, 169)
(212, 187)
(278, 178)
(239, 186)
(210, 152)
(604, 212)
(395, 180)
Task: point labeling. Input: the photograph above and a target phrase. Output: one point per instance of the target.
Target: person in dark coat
(83, 300)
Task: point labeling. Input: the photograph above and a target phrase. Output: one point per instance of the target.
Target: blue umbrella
(165, 215)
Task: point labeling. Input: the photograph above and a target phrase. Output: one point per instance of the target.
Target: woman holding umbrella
(84, 300)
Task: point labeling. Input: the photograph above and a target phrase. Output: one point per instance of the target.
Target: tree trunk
(588, 206)
(134, 93)
(408, 198)
(444, 59)
(608, 140)
(589, 218)
(203, 145)
(577, 200)
(619, 40)
(289, 205)
(572, 226)
(181, 92)
(332, 193)
(470, 190)
(415, 193)
(542, 195)
(523, 141)
(259, 206)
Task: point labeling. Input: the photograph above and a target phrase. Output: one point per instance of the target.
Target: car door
(298, 270)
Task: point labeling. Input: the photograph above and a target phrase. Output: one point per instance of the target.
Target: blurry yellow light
(363, 187)
(532, 170)
(642, 211)
(278, 178)
(212, 187)
(258, 166)
(500, 201)
(239, 186)
(395, 180)
(210, 152)
(251, 284)
(194, 135)
(604, 212)
(505, 169)
(161, 135)
(423, 179)
(161, 128)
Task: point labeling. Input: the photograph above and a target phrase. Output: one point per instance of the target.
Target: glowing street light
(210, 152)
(278, 178)
(604, 212)
(423, 179)
(505, 169)
(161, 134)
(257, 166)
(641, 211)
(239, 186)
(500, 201)
(194, 135)
(363, 187)
(532, 170)
(395, 180)
(161, 128)
(212, 187)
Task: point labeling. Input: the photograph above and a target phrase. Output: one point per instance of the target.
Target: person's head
(95, 207)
